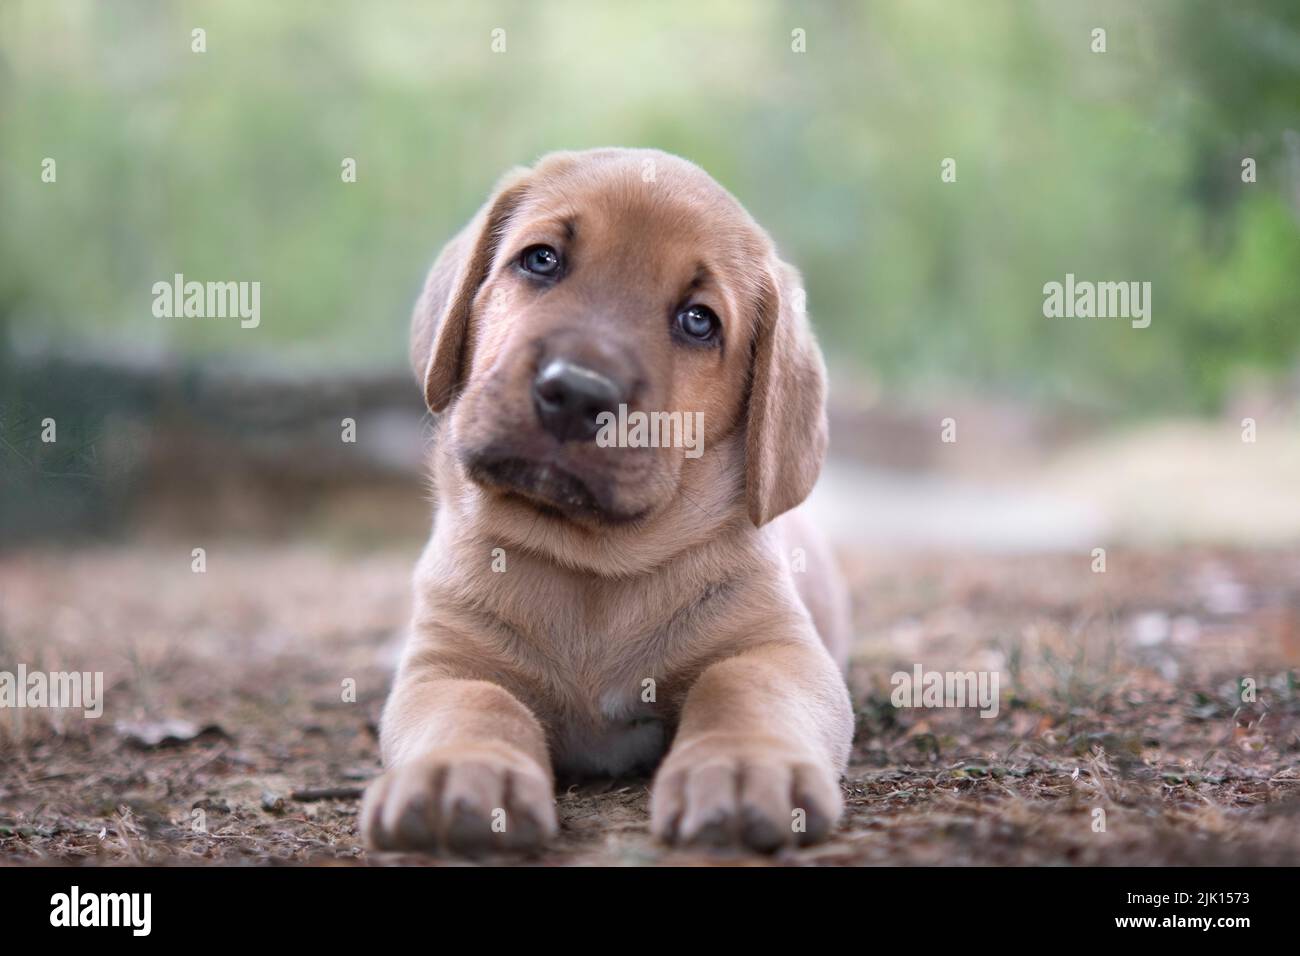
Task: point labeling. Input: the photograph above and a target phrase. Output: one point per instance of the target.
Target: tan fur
(691, 587)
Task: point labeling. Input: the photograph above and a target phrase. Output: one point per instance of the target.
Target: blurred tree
(227, 164)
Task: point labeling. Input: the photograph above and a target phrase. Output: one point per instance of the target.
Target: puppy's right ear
(440, 332)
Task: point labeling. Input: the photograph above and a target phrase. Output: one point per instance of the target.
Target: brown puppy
(581, 607)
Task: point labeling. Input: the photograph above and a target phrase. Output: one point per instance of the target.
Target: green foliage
(1116, 166)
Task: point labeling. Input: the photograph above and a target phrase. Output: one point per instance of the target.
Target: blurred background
(226, 165)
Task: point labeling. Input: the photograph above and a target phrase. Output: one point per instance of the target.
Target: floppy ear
(786, 433)
(440, 324)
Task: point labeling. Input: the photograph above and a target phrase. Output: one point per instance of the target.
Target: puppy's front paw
(467, 800)
(723, 792)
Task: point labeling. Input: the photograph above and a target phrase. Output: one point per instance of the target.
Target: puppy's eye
(698, 323)
(540, 261)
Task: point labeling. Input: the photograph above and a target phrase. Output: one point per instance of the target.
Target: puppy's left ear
(440, 325)
(786, 433)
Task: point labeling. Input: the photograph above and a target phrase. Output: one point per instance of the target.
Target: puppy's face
(606, 290)
(594, 287)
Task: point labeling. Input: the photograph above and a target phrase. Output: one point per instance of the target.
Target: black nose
(569, 398)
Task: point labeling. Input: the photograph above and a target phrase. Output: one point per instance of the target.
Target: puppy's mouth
(544, 486)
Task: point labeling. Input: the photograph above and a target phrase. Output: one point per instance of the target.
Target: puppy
(583, 608)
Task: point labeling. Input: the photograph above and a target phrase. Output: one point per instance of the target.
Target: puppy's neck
(708, 503)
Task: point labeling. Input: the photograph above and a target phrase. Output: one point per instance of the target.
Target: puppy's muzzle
(556, 463)
(569, 399)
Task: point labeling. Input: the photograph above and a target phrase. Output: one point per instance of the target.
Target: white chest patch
(620, 705)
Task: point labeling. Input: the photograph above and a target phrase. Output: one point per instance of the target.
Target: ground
(230, 736)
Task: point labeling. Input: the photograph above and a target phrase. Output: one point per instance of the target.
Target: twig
(327, 793)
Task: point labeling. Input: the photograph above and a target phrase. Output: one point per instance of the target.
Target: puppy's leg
(762, 741)
(468, 770)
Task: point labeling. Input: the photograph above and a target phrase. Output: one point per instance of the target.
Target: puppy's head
(605, 283)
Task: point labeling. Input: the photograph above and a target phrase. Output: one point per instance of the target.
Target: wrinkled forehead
(652, 212)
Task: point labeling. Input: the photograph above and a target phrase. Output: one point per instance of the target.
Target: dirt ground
(227, 738)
